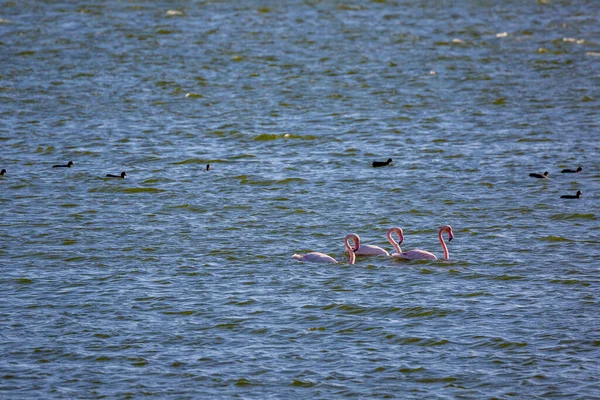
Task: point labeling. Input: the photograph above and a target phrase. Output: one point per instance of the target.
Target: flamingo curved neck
(351, 255)
(393, 242)
(444, 247)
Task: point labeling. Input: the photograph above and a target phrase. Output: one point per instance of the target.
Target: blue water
(178, 282)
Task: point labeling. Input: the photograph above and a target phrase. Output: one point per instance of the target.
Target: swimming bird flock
(122, 175)
(358, 249)
(564, 171)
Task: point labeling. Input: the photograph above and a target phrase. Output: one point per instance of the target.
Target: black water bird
(123, 175)
(571, 171)
(381, 163)
(68, 165)
(2, 172)
(570, 196)
(542, 176)
(208, 167)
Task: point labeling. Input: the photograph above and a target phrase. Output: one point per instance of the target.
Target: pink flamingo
(370, 250)
(425, 255)
(324, 258)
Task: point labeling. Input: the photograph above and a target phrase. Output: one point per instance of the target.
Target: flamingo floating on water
(425, 255)
(324, 258)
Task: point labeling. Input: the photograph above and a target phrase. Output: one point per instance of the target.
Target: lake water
(178, 282)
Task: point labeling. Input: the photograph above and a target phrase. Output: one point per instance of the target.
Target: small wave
(555, 239)
(533, 140)
(191, 95)
(411, 312)
(185, 313)
(506, 277)
(125, 190)
(269, 182)
(437, 380)
(475, 294)
(189, 207)
(499, 343)
(423, 342)
(570, 282)
(191, 161)
(143, 190)
(300, 383)
(245, 382)
(561, 217)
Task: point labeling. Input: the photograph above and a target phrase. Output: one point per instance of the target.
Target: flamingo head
(448, 230)
(355, 240)
(398, 231)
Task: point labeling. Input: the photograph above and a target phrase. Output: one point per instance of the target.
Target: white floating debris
(573, 40)
(175, 13)
(501, 34)
(457, 41)
(593, 54)
(432, 72)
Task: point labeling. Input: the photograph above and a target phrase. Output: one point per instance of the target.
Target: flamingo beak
(450, 237)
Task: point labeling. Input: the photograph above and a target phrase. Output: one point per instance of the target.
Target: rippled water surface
(178, 282)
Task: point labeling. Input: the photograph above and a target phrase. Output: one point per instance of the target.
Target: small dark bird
(123, 175)
(381, 163)
(534, 175)
(2, 172)
(571, 171)
(69, 164)
(208, 167)
(569, 196)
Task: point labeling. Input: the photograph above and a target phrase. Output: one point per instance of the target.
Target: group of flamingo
(369, 250)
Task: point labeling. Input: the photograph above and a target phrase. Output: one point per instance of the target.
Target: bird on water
(2, 172)
(570, 196)
(542, 176)
(123, 175)
(572, 171)
(67, 165)
(382, 163)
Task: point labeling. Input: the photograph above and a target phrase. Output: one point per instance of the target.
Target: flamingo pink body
(370, 250)
(317, 257)
(425, 255)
